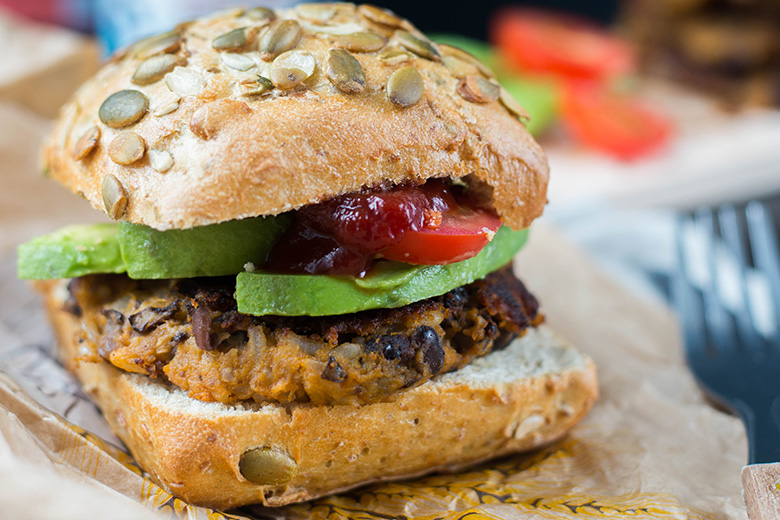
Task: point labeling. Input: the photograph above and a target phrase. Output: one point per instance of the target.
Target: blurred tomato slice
(461, 235)
(616, 124)
(546, 42)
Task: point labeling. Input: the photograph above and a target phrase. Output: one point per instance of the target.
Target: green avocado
(389, 284)
(224, 249)
(72, 251)
(144, 253)
(216, 250)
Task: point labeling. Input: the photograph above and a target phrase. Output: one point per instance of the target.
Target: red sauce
(344, 235)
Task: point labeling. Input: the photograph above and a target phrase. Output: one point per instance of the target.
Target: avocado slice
(224, 249)
(215, 250)
(72, 251)
(144, 253)
(388, 284)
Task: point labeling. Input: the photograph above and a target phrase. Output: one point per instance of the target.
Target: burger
(309, 284)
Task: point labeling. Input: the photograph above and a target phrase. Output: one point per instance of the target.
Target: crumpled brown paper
(651, 448)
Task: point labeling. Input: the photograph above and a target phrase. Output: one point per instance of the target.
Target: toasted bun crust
(516, 399)
(211, 153)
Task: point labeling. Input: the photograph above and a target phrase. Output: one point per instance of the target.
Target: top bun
(255, 112)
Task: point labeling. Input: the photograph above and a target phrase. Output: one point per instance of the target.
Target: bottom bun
(515, 399)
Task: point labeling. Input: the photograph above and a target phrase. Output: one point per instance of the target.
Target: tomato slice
(461, 235)
(618, 125)
(429, 224)
(546, 42)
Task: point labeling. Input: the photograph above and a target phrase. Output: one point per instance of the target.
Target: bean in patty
(426, 339)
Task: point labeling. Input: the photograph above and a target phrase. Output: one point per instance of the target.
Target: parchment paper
(650, 448)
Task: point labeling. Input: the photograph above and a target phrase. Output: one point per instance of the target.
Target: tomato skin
(433, 223)
(460, 236)
(368, 222)
(546, 42)
(618, 125)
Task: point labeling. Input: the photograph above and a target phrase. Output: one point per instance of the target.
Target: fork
(735, 362)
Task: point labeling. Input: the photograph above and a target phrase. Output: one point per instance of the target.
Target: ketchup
(344, 236)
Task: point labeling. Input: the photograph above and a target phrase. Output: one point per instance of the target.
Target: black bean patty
(190, 333)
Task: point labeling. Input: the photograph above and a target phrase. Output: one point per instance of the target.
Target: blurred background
(648, 109)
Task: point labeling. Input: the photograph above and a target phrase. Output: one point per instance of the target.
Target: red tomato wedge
(618, 125)
(461, 235)
(546, 42)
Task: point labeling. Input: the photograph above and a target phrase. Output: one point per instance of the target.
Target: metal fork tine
(716, 318)
(765, 254)
(732, 236)
(748, 384)
(685, 298)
